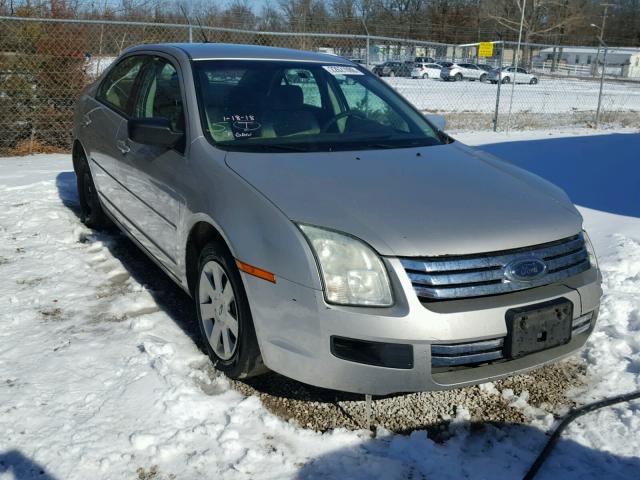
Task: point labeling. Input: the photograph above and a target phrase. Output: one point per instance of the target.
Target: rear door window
(307, 83)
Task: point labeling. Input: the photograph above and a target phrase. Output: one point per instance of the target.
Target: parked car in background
(423, 60)
(236, 169)
(409, 64)
(426, 70)
(484, 66)
(360, 61)
(509, 74)
(392, 69)
(463, 71)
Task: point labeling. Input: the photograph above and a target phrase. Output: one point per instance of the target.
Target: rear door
(524, 76)
(433, 70)
(103, 125)
(153, 174)
(472, 71)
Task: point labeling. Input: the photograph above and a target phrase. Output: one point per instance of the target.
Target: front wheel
(533, 81)
(425, 75)
(483, 77)
(506, 80)
(224, 317)
(458, 77)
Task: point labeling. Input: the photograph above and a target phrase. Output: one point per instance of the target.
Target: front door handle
(123, 147)
(86, 120)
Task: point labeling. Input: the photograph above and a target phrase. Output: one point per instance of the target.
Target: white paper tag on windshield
(342, 70)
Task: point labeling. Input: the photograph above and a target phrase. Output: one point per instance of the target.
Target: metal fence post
(190, 34)
(604, 68)
(368, 47)
(495, 116)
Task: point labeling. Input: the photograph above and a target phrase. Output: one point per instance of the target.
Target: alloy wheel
(218, 310)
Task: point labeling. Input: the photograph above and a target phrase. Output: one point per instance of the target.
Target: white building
(620, 62)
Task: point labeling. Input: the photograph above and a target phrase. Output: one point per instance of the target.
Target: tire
(91, 212)
(425, 75)
(533, 81)
(392, 73)
(236, 355)
(483, 77)
(458, 77)
(506, 80)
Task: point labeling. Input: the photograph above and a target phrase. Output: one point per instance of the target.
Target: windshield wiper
(280, 146)
(400, 144)
(381, 145)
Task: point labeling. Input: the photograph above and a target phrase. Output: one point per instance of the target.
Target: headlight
(592, 253)
(353, 274)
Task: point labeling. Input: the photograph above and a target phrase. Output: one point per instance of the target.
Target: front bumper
(295, 325)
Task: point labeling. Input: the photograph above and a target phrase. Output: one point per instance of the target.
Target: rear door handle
(86, 120)
(123, 147)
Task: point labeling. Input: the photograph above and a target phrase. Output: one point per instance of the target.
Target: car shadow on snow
(601, 172)
(168, 296)
(472, 450)
(21, 467)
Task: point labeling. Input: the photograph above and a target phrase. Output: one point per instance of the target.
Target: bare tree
(541, 17)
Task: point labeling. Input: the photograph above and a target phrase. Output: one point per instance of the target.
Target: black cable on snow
(572, 415)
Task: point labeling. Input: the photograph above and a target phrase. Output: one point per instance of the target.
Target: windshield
(259, 105)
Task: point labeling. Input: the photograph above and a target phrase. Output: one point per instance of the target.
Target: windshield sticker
(243, 126)
(342, 70)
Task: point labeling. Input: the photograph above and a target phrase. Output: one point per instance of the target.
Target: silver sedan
(324, 227)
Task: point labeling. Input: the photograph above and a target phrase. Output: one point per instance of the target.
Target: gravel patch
(513, 400)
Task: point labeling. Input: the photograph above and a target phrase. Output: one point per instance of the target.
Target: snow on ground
(100, 376)
(551, 95)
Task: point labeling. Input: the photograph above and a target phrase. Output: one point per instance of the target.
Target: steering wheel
(349, 113)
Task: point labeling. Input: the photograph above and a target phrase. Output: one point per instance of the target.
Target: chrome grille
(444, 278)
(487, 351)
(458, 354)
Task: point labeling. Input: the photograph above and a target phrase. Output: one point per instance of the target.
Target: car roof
(220, 51)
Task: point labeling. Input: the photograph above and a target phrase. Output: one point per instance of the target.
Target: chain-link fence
(45, 63)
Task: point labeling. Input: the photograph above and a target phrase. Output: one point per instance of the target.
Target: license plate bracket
(537, 327)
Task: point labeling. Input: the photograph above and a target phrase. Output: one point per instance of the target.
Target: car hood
(429, 201)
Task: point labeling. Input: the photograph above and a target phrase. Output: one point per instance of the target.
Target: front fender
(255, 230)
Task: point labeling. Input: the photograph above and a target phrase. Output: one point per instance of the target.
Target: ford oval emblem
(525, 270)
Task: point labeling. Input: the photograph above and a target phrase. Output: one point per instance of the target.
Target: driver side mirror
(437, 121)
(153, 131)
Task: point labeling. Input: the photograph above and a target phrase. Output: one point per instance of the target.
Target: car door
(433, 69)
(102, 124)
(153, 174)
(473, 71)
(524, 76)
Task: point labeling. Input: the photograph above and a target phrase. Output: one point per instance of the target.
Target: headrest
(243, 97)
(286, 97)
